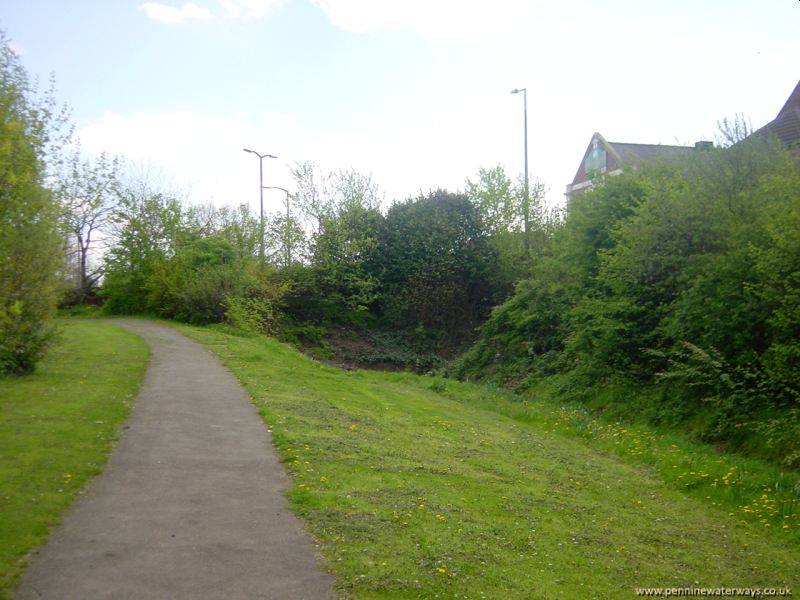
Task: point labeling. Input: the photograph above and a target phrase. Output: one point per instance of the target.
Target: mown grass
(750, 489)
(56, 429)
(424, 488)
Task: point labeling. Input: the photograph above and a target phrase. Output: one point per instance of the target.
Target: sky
(415, 93)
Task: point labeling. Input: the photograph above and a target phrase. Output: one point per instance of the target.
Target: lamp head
(262, 156)
(518, 90)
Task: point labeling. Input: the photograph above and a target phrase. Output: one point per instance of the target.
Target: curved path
(189, 504)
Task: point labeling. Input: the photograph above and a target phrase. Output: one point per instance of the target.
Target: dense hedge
(678, 282)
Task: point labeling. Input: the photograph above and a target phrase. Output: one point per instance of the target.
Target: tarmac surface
(189, 505)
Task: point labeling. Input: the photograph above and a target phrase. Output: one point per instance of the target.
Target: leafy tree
(286, 240)
(87, 192)
(149, 228)
(342, 210)
(311, 198)
(238, 225)
(496, 199)
(342, 254)
(502, 207)
(30, 249)
(435, 259)
(194, 284)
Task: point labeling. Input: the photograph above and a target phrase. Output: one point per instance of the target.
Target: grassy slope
(413, 493)
(56, 429)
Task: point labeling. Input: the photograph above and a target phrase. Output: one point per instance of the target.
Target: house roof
(786, 126)
(793, 103)
(646, 152)
(621, 153)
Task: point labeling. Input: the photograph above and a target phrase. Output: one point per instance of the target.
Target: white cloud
(249, 8)
(170, 14)
(431, 18)
(202, 154)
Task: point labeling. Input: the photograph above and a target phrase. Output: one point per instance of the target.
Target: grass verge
(422, 488)
(56, 429)
(751, 489)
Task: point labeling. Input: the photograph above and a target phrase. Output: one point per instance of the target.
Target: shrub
(29, 241)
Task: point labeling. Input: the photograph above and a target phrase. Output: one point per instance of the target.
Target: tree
(30, 249)
(87, 192)
(342, 212)
(194, 284)
(497, 201)
(286, 240)
(434, 260)
(342, 254)
(237, 225)
(517, 236)
(677, 282)
(149, 228)
(311, 198)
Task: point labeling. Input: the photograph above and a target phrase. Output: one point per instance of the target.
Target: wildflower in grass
(441, 570)
(323, 479)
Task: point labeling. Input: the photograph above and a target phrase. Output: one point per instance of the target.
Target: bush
(261, 311)
(29, 240)
(24, 337)
(678, 281)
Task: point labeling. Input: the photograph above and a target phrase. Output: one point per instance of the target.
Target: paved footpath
(189, 505)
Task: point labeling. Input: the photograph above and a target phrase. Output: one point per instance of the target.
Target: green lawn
(56, 429)
(421, 488)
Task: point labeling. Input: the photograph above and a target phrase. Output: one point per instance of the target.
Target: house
(611, 158)
(786, 126)
(602, 156)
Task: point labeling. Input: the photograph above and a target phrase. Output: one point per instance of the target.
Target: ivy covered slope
(671, 293)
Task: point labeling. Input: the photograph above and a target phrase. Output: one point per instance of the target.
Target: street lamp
(526, 206)
(287, 241)
(261, 158)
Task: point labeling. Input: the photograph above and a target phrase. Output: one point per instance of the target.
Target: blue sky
(415, 92)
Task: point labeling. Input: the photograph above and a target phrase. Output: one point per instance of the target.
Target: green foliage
(197, 265)
(258, 309)
(517, 228)
(435, 262)
(342, 211)
(87, 192)
(681, 278)
(496, 200)
(396, 350)
(150, 229)
(238, 226)
(342, 251)
(193, 285)
(30, 248)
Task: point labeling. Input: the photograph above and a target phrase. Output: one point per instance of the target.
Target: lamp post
(261, 158)
(527, 201)
(287, 242)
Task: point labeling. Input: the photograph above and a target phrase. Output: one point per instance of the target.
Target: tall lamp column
(527, 200)
(261, 158)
